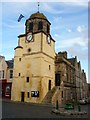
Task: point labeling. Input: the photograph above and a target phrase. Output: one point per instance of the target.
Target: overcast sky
(69, 25)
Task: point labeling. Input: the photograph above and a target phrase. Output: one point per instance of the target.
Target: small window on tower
(49, 67)
(29, 49)
(40, 26)
(31, 26)
(27, 94)
(19, 59)
(27, 79)
(19, 74)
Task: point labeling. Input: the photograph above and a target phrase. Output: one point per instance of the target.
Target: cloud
(74, 48)
(69, 30)
(12, 10)
(73, 42)
(80, 28)
(78, 51)
(74, 1)
(0, 45)
(13, 25)
(51, 8)
(83, 3)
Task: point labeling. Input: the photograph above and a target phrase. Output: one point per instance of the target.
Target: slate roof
(38, 15)
(72, 60)
(10, 63)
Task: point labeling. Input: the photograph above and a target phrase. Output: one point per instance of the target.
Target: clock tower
(34, 67)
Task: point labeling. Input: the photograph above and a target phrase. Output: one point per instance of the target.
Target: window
(27, 79)
(29, 49)
(0, 74)
(67, 76)
(40, 26)
(31, 26)
(49, 85)
(27, 94)
(19, 59)
(3, 74)
(19, 74)
(49, 67)
(47, 28)
(62, 94)
(11, 73)
(57, 79)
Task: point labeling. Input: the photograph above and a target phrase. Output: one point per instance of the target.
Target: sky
(69, 26)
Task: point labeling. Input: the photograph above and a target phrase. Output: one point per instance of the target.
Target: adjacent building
(69, 72)
(65, 76)
(6, 76)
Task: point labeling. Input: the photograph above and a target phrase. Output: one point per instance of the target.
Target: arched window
(31, 26)
(40, 25)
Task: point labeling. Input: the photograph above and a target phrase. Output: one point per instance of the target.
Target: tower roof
(10, 63)
(38, 15)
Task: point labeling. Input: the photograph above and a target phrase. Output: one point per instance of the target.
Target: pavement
(12, 109)
(73, 112)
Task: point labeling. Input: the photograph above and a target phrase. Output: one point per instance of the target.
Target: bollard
(79, 108)
(73, 105)
(57, 107)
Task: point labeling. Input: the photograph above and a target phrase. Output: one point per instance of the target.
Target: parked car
(88, 100)
(83, 101)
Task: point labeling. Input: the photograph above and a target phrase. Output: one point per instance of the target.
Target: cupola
(38, 22)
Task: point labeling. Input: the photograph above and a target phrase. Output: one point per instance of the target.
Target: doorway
(22, 96)
(49, 85)
(57, 79)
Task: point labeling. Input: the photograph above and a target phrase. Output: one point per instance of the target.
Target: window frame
(48, 28)
(28, 95)
(2, 73)
(19, 74)
(27, 79)
(40, 25)
(11, 74)
(31, 26)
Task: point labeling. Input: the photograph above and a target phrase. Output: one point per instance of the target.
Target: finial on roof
(38, 6)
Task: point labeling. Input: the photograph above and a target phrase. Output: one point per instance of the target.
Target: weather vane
(38, 6)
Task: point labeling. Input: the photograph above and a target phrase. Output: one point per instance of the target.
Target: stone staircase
(49, 95)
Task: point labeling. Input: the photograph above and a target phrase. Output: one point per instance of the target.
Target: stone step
(49, 95)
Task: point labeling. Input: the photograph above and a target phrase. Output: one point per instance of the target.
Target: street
(28, 110)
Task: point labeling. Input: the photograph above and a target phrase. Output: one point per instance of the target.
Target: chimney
(62, 54)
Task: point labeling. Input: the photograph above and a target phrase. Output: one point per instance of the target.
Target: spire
(38, 6)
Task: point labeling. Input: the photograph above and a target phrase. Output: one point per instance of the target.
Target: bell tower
(34, 67)
(38, 22)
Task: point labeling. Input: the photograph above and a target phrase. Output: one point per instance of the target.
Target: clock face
(49, 39)
(29, 37)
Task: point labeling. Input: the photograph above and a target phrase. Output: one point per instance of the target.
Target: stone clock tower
(34, 67)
